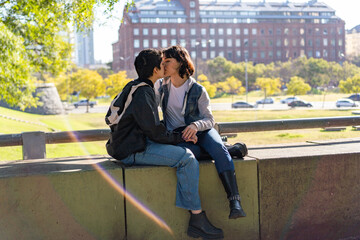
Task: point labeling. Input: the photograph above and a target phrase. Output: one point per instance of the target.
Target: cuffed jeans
(210, 141)
(187, 170)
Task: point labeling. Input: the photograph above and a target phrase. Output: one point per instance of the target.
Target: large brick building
(261, 32)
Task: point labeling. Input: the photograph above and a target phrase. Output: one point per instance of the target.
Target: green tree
(210, 88)
(269, 85)
(297, 86)
(36, 31)
(15, 79)
(234, 85)
(351, 85)
(115, 83)
(90, 84)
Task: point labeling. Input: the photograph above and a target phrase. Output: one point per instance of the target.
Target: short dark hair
(146, 61)
(182, 56)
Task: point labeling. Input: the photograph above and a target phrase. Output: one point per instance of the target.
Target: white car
(269, 100)
(346, 103)
(289, 100)
(85, 102)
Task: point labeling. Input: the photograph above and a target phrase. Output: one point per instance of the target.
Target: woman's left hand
(189, 132)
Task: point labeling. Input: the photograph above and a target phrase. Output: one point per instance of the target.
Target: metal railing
(34, 143)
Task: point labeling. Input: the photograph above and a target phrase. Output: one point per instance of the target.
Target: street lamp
(246, 79)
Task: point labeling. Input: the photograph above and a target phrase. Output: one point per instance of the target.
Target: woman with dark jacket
(186, 109)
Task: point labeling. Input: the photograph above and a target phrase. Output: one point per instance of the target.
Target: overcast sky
(105, 30)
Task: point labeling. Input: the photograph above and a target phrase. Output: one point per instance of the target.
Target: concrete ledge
(295, 191)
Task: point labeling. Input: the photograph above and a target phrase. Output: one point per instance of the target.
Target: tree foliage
(36, 31)
(297, 86)
(351, 85)
(210, 88)
(115, 83)
(269, 85)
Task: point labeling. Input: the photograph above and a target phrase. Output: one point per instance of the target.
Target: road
(222, 106)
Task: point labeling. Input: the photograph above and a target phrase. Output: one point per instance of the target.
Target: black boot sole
(237, 214)
(195, 233)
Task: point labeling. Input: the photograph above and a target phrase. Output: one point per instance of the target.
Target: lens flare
(117, 186)
(131, 199)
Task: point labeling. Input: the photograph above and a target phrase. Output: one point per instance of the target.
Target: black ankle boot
(228, 179)
(238, 150)
(200, 226)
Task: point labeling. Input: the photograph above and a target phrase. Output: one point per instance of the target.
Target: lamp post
(246, 79)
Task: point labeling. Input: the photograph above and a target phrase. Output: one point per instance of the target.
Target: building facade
(261, 32)
(84, 48)
(353, 42)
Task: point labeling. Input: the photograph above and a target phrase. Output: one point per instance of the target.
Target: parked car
(346, 103)
(299, 103)
(242, 104)
(355, 97)
(269, 100)
(84, 102)
(289, 100)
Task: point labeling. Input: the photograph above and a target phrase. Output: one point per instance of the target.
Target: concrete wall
(314, 194)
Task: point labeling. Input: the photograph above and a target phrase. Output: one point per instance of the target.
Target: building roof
(355, 29)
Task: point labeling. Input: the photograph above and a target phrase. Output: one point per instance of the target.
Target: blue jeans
(210, 141)
(187, 172)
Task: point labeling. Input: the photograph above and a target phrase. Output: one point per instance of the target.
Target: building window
(254, 43)
(229, 55)
(193, 54)
(221, 53)
(212, 31)
(278, 54)
(136, 31)
(246, 31)
(302, 31)
(221, 42)
(192, 4)
(270, 31)
(325, 42)
(340, 42)
(317, 42)
(310, 54)
(286, 31)
(254, 54)
(278, 31)
(182, 31)
(192, 13)
(325, 53)
(221, 31)
(173, 42)
(237, 42)
(173, 31)
(155, 43)
(270, 54)
(212, 43)
(302, 42)
(164, 31)
(164, 43)
(246, 42)
(262, 54)
(294, 42)
(193, 31)
(238, 54)
(229, 42)
(278, 42)
(262, 43)
(317, 54)
(136, 43)
(212, 54)
(203, 31)
(286, 42)
(333, 42)
(155, 31)
(183, 42)
(229, 31)
(253, 31)
(310, 43)
(193, 43)
(145, 31)
(325, 32)
(146, 43)
(270, 43)
(203, 54)
(237, 31)
(262, 31)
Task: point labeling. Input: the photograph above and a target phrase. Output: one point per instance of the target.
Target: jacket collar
(147, 81)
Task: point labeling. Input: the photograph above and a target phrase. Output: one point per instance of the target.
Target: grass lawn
(23, 122)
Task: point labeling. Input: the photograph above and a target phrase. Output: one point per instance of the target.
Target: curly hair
(183, 58)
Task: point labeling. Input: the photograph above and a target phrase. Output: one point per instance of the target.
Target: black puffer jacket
(133, 117)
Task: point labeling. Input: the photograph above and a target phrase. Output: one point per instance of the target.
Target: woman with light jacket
(186, 108)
